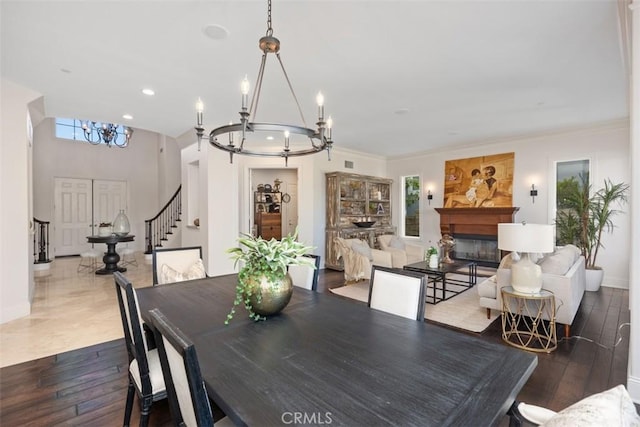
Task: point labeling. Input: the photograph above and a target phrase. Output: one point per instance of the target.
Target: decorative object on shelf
(286, 198)
(526, 276)
(276, 185)
(121, 225)
(264, 286)
(196, 222)
(260, 188)
(318, 139)
(104, 229)
(364, 224)
(447, 243)
(107, 133)
(432, 257)
(380, 209)
(267, 188)
(582, 219)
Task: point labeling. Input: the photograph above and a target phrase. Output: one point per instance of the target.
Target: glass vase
(121, 225)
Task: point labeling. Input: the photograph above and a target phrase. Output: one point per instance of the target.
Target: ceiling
(399, 77)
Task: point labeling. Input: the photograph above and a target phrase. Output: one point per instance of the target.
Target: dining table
(330, 360)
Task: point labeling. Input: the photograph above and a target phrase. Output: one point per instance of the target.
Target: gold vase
(269, 298)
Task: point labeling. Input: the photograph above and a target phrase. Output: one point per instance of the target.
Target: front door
(73, 215)
(80, 205)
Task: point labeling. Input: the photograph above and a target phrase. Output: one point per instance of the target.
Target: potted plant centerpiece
(583, 218)
(264, 286)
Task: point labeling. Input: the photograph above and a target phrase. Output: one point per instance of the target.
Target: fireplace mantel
(474, 221)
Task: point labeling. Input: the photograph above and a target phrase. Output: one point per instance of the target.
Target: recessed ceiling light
(148, 91)
(401, 111)
(270, 138)
(65, 70)
(215, 32)
(127, 117)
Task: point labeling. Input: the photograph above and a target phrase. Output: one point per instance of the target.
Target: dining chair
(128, 256)
(188, 399)
(89, 260)
(398, 292)
(177, 264)
(145, 372)
(306, 276)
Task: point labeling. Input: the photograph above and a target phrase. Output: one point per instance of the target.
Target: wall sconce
(429, 196)
(533, 193)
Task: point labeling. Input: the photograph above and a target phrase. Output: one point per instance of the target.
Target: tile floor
(70, 310)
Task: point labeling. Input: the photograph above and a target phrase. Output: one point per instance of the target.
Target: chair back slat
(398, 292)
(187, 394)
(179, 259)
(306, 276)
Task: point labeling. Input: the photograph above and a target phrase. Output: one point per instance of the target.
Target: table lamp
(526, 276)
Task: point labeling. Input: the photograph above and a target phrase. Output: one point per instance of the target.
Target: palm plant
(583, 218)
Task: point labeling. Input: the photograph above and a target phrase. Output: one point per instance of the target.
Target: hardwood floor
(88, 386)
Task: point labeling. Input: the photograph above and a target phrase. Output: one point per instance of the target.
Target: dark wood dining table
(111, 257)
(329, 360)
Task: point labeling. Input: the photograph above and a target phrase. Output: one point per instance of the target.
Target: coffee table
(439, 275)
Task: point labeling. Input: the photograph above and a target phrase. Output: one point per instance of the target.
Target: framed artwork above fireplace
(479, 182)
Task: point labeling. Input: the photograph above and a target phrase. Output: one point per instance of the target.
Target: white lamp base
(526, 276)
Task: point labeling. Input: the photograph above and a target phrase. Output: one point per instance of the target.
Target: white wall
(607, 146)
(15, 237)
(150, 165)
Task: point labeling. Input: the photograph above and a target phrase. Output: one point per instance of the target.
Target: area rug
(462, 311)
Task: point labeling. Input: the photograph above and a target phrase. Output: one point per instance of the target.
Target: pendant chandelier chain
(269, 29)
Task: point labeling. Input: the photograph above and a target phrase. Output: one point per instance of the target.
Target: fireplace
(475, 231)
(481, 249)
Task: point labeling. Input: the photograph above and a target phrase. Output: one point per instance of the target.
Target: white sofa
(563, 273)
(358, 258)
(401, 253)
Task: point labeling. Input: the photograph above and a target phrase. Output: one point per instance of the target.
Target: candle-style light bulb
(244, 89)
(286, 139)
(230, 135)
(199, 111)
(320, 102)
(329, 126)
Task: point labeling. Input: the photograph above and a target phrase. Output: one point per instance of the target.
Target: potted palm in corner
(264, 286)
(583, 218)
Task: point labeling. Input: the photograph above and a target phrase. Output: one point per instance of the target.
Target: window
(72, 129)
(411, 206)
(570, 177)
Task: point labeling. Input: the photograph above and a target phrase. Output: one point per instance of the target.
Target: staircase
(160, 227)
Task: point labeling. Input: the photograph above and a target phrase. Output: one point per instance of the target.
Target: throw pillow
(558, 263)
(362, 248)
(396, 243)
(506, 261)
(171, 275)
(613, 407)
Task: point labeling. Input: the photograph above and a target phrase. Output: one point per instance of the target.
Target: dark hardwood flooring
(88, 386)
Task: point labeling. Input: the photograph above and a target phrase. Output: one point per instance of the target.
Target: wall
(150, 165)
(16, 278)
(607, 146)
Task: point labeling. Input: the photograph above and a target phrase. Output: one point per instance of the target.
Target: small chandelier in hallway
(319, 139)
(106, 133)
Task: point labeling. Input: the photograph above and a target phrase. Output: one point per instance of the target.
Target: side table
(529, 320)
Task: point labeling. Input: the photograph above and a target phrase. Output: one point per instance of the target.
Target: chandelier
(107, 133)
(314, 140)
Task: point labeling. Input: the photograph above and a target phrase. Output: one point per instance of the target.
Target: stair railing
(160, 226)
(41, 241)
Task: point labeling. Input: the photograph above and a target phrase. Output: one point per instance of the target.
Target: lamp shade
(519, 237)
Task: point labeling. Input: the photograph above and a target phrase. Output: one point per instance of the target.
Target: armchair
(401, 253)
(358, 258)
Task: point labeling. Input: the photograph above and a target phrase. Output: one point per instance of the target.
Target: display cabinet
(267, 214)
(358, 206)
